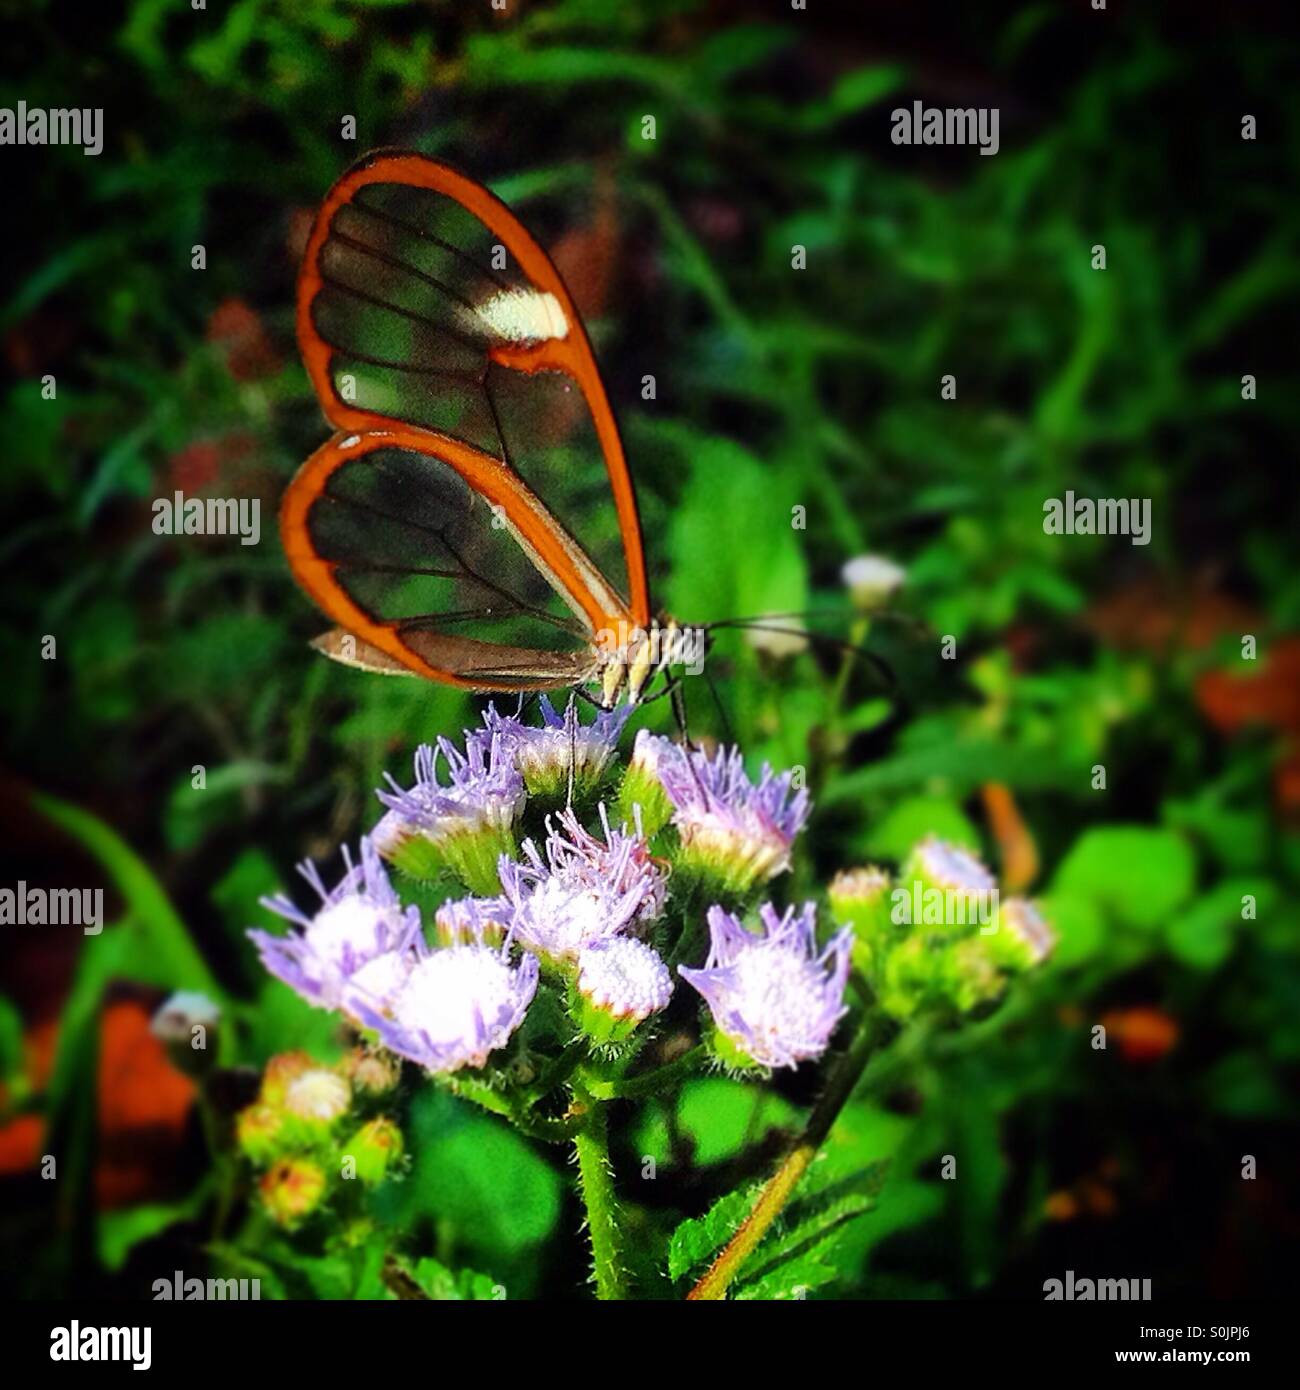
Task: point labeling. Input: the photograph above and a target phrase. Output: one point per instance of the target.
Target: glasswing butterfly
(447, 353)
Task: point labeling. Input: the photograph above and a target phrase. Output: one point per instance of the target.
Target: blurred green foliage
(776, 390)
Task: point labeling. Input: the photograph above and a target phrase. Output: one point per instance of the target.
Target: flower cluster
(579, 922)
(313, 1127)
(938, 935)
(590, 910)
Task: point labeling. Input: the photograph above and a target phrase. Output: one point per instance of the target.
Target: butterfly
(450, 527)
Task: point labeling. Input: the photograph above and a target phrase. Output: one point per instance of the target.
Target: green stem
(225, 1169)
(779, 1188)
(857, 638)
(558, 1071)
(534, 1126)
(647, 1083)
(596, 1186)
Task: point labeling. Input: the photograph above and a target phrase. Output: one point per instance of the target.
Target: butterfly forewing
(424, 303)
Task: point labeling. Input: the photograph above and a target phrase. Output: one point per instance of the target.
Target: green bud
(371, 1071)
(860, 898)
(375, 1147)
(641, 788)
(1024, 938)
(258, 1132)
(416, 856)
(969, 975)
(906, 979)
(283, 1068)
(473, 856)
(943, 890)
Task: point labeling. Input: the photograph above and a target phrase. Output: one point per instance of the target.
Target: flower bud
(968, 975)
(371, 1071)
(313, 1103)
(859, 898)
(258, 1132)
(283, 1068)
(620, 983)
(944, 890)
(777, 638)
(374, 1148)
(906, 978)
(736, 834)
(561, 753)
(187, 1026)
(1024, 937)
(471, 921)
(464, 825)
(291, 1190)
(871, 581)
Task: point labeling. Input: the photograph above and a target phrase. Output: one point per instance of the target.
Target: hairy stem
(778, 1189)
(534, 1126)
(647, 1083)
(596, 1185)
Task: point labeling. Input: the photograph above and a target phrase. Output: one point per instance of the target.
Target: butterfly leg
(571, 726)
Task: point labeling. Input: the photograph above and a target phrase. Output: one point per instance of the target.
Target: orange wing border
(571, 355)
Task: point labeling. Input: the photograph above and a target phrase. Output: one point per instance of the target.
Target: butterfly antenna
(882, 668)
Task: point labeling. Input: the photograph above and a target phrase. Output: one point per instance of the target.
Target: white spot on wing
(523, 316)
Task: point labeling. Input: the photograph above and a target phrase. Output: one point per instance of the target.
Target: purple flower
(484, 920)
(1025, 937)
(454, 1007)
(771, 996)
(468, 821)
(737, 832)
(543, 753)
(586, 889)
(359, 922)
(484, 790)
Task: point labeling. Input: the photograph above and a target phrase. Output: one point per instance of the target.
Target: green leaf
(740, 577)
(11, 1043)
(915, 817)
(1137, 874)
(718, 1116)
(1080, 927)
(699, 1237)
(168, 957)
(459, 1286)
(121, 1231)
(792, 1279)
(476, 1176)
(1201, 935)
(794, 1257)
(281, 1021)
